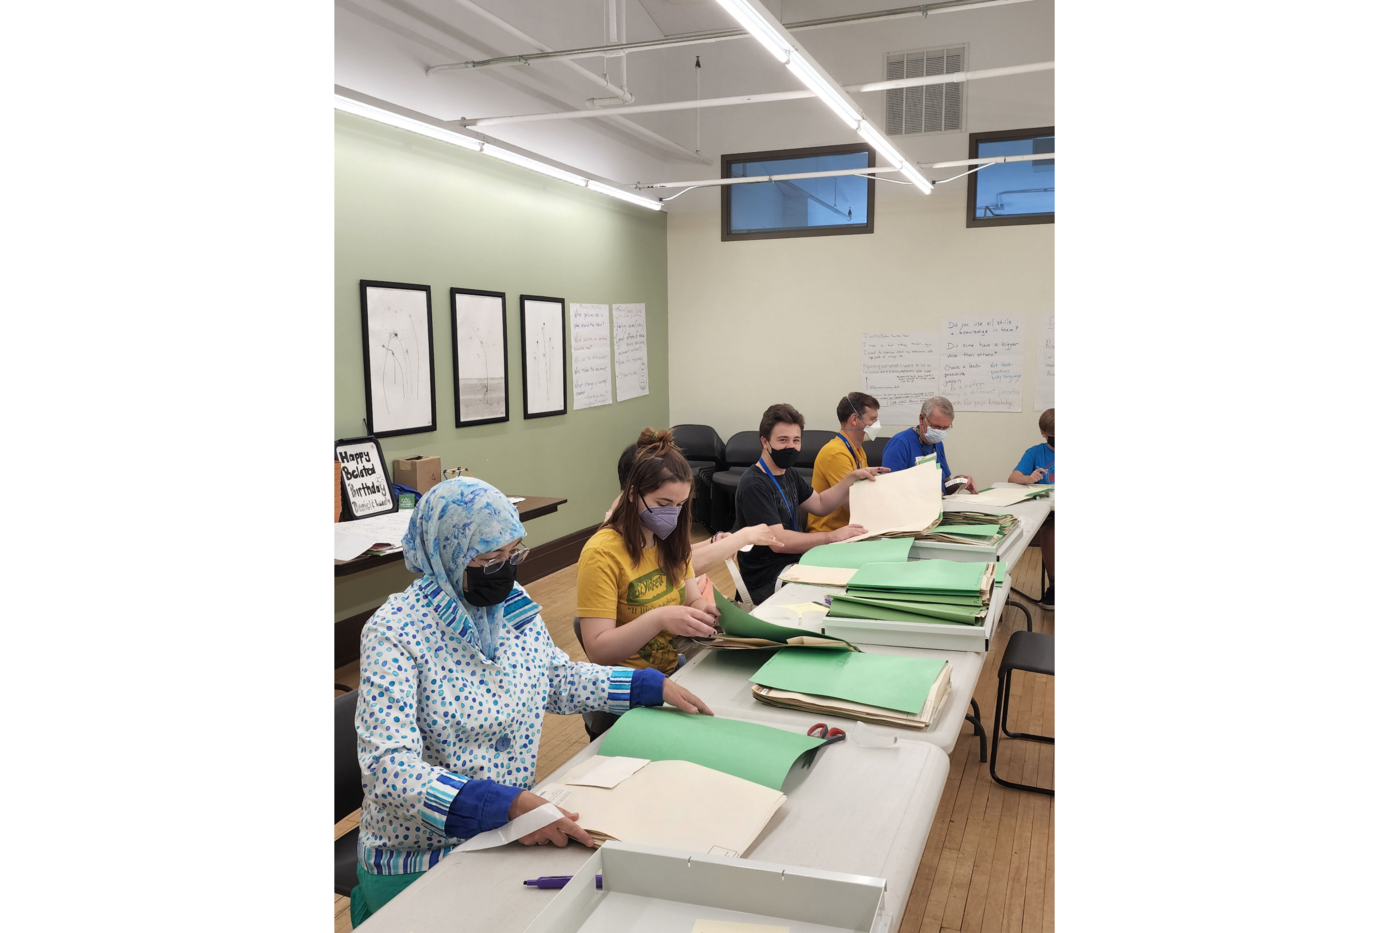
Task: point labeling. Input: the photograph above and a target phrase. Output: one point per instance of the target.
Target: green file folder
(876, 679)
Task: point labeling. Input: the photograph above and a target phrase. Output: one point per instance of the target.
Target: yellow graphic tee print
(610, 586)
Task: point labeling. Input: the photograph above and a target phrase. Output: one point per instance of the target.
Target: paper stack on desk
(878, 688)
(920, 591)
(354, 538)
(740, 630)
(672, 804)
(983, 528)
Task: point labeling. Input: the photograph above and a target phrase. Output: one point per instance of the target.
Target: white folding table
(865, 811)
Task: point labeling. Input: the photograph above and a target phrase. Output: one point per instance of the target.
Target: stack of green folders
(986, 528)
(879, 688)
(921, 591)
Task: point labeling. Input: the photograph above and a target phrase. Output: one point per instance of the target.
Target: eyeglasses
(514, 560)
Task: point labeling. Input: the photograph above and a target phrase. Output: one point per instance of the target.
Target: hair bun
(654, 442)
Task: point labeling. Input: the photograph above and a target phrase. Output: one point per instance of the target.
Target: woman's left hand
(682, 699)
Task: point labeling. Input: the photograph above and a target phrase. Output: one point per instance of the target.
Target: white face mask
(934, 435)
(872, 428)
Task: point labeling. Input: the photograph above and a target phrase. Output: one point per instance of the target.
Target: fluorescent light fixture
(516, 158)
(881, 144)
(912, 173)
(406, 123)
(758, 27)
(818, 85)
(619, 193)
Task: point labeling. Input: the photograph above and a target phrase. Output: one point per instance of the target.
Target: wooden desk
(532, 507)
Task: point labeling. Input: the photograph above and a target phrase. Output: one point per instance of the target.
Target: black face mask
(489, 589)
(1050, 441)
(784, 457)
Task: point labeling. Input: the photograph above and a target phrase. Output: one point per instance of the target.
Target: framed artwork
(397, 324)
(479, 356)
(542, 352)
(365, 486)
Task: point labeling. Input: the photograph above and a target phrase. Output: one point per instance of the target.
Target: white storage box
(665, 891)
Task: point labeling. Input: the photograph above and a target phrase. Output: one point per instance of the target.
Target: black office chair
(1033, 652)
(704, 451)
(812, 443)
(875, 450)
(349, 793)
(742, 452)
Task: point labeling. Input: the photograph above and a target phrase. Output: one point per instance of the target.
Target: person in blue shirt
(906, 447)
(1038, 466)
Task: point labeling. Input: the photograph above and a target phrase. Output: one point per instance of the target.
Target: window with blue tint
(1012, 192)
(788, 207)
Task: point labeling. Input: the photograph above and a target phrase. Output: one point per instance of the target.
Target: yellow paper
(729, 926)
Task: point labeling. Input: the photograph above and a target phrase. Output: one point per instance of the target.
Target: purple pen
(558, 881)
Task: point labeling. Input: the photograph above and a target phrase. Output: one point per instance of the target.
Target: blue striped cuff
(620, 690)
(647, 686)
(437, 802)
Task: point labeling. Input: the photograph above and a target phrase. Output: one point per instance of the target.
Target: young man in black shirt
(771, 493)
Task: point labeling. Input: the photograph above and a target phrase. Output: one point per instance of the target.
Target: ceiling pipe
(702, 38)
(956, 78)
(793, 176)
(655, 138)
(615, 12)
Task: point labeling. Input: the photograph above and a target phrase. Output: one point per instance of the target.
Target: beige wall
(763, 321)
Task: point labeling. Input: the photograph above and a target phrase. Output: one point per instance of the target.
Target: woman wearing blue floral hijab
(456, 672)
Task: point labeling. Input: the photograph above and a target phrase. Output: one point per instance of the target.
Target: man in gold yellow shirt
(858, 414)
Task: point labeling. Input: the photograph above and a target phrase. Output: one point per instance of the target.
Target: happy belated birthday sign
(366, 485)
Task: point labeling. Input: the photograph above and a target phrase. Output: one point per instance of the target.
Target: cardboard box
(420, 473)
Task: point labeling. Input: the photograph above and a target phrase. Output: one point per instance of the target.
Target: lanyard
(791, 514)
(850, 448)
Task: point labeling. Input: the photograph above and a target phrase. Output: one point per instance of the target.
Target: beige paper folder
(674, 804)
(817, 576)
(905, 502)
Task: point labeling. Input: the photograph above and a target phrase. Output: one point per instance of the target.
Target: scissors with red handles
(821, 731)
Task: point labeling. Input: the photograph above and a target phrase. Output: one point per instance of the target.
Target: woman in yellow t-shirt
(636, 585)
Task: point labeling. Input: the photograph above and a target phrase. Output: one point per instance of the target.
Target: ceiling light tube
(406, 123)
(881, 144)
(516, 158)
(750, 19)
(619, 193)
(828, 95)
(912, 173)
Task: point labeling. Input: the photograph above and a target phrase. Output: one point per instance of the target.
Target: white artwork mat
(481, 357)
(543, 339)
(400, 359)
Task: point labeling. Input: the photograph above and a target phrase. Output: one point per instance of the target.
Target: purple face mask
(660, 521)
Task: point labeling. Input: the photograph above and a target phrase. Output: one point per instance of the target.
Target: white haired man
(906, 447)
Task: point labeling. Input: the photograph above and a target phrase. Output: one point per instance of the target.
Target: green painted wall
(412, 209)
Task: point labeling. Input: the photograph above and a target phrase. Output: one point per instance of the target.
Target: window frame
(727, 162)
(1015, 219)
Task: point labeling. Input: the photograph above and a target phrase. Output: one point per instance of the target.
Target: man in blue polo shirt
(935, 418)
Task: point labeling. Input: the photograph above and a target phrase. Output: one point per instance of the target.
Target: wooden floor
(989, 863)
